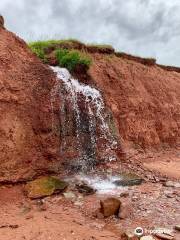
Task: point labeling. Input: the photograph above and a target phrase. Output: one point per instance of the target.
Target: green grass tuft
(72, 58)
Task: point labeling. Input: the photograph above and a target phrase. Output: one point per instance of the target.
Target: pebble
(147, 238)
(177, 227)
(164, 233)
(124, 194)
(164, 236)
(172, 184)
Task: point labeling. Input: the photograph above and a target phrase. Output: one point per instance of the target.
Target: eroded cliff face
(145, 100)
(26, 143)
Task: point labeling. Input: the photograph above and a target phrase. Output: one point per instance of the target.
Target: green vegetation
(72, 58)
(41, 47)
(64, 52)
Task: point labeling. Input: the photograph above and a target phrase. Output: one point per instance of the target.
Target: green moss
(44, 186)
(72, 58)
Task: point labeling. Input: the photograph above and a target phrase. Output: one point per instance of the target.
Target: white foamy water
(102, 185)
(90, 98)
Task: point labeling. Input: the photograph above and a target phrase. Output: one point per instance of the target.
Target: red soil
(144, 100)
(26, 143)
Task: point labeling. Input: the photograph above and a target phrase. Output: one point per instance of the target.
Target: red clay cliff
(144, 100)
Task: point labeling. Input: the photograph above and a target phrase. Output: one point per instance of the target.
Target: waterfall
(84, 121)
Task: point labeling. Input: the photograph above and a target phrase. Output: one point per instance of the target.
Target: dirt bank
(145, 100)
(26, 143)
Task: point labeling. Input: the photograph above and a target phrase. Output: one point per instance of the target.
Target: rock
(44, 186)
(128, 236)
(147, 238)
(85, 189)
(164, 236)
(124, 194)
(128, 179)
(125, 210)
(172, 184)
(110, 206)
(70, 196)
(164, 233)
(177, 227)
(79, 201)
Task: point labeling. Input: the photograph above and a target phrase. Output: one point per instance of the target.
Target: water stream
(83, 120)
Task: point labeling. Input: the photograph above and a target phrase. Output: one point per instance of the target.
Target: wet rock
(177, 227)
(44, 186)
(85, 189)
(147, 238)
(110, 206)
(164, 233)
(128, 179)
(172, 184)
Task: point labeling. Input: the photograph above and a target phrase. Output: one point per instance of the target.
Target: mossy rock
(44, 186)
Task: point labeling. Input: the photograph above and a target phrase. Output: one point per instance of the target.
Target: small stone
(147, 238)
(124, 194)
(177, 227)
(110, 207)
(172, 184)
(85, 189)
(70, 196)
(164, 236)
(164, 233)
(128, 236)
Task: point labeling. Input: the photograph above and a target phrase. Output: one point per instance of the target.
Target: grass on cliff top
(65, 54)
(72, 58)
(40, 47)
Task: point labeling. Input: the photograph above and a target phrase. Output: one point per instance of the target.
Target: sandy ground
(166, 165)
(149, 206)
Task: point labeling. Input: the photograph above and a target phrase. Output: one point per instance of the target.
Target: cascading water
(83, 120)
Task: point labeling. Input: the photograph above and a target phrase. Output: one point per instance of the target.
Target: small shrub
(71, 58)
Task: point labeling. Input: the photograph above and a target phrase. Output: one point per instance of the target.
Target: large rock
(110, 206)
(44, 186)
(28, 145)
